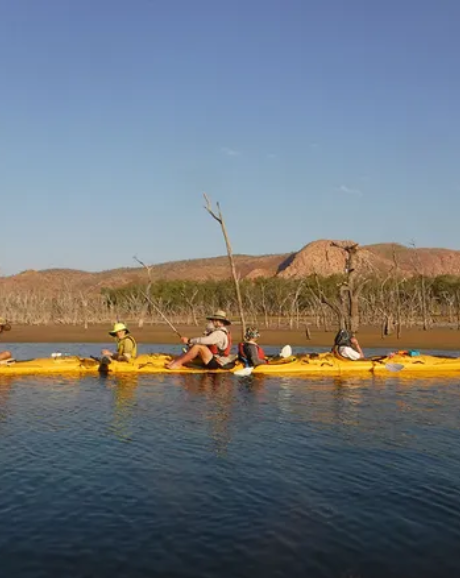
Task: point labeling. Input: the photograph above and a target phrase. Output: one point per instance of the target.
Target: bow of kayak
(50, 366)
(421, 364)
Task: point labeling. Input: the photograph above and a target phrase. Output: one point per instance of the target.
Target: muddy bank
(368, 336)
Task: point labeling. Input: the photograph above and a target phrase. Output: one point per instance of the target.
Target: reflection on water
(5, 389)
(124, 398)
(215, 476)
(219, 392)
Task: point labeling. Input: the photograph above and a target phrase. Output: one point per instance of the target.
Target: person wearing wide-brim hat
(213, 348)
(5, 356)
(126, 344)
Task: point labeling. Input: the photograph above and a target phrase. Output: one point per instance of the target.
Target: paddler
(5, 356)
(126, 344)
(213, 348)
(249, 351)
(346, 345)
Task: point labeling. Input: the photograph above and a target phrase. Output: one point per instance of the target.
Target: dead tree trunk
(424, 307)
(191, 303)
(220, 219)
(350, 289)
(337, 309)
(397, 293)
(457, 307)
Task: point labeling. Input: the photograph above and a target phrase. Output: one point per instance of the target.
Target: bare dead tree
(426, 321)
(294, 303)
(349, 290)
(190, 300)
(220, 219)
(252, 307)
(336, 309)
(264, 305)
(397, 293)
(319, 296)
(457, 308)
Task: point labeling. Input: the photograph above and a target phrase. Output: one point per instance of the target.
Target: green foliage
(263, 298)
(271, 301)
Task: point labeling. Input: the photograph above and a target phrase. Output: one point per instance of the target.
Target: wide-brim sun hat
(219, 316)
(118, 327)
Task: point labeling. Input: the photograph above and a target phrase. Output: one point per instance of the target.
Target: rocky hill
(323, 258)
(317, 257)
(52, 280)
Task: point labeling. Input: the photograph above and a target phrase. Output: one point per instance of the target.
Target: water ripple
(210, 476)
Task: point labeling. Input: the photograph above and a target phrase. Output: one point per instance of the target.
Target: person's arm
(218, 338)
(357, 346)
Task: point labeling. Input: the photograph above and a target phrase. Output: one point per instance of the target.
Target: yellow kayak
(50, 366)
(311, 364)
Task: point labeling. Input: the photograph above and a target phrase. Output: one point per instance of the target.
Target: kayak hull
(51, 366)
(324, 364)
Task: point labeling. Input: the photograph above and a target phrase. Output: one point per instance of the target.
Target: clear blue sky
(306, 119)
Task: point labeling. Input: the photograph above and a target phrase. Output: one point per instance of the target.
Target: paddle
(389, 366)
(285, 352)
(160, 312)
(394, 366)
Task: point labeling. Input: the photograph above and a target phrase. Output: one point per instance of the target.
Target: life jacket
(222, 352)
(120, 346)
(242, 352)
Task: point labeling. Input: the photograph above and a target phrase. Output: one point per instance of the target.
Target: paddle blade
(394, 366)
(286, 351)
(243, 372)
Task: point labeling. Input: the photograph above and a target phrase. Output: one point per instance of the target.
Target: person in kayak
(249, 351)
(213, 348)
(346, 345)
(5, 356)
(126, 344)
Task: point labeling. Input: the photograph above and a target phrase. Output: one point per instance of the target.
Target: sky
(304, 119)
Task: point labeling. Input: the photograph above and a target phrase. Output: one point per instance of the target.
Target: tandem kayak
(310, 364)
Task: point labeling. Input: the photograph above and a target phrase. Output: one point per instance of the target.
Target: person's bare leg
(5, 355)
(195, 351)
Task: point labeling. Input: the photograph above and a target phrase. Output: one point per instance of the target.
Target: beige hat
(118, 327)
(219, 316)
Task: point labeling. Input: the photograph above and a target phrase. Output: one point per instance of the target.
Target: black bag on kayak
(343, 338)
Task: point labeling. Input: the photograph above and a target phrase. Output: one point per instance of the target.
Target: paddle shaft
(160, 312)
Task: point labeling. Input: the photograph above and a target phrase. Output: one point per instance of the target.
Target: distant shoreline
(439, 338)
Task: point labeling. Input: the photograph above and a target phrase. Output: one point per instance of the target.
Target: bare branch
(220, 219)
(208, 208)
(140, 262)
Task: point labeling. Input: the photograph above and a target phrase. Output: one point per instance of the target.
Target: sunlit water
(218, 476)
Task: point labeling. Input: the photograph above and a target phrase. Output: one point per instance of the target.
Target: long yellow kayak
(311, 364)
(50, 366)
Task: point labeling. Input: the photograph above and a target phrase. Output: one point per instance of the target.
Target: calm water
(215, 476)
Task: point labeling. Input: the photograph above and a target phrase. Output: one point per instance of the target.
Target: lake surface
(215, 476)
